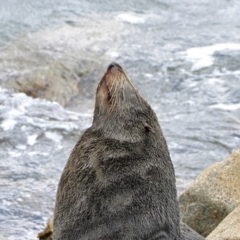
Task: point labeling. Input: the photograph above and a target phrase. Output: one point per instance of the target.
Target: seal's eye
(109, 98)
(148, 128)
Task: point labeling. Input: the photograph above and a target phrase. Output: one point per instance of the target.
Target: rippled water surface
(182, 56)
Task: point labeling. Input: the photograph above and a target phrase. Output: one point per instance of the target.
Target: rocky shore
(211, 205)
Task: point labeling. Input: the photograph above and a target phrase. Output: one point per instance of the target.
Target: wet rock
(59, 64)
(52, 83)
(213, 195)
(229, 228)
(55, 81)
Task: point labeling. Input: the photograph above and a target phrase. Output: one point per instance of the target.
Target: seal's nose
(113, 65)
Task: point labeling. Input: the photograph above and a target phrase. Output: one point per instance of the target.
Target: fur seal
(119, 181)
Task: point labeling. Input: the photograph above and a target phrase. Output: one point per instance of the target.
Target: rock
(229, 228)
(213, 195)
(55, 81)
(46, 234)
(59, 64)
(189, 233)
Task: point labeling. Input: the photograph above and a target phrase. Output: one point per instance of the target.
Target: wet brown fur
(119, 181)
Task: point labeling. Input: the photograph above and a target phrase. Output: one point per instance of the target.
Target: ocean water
(183, 57)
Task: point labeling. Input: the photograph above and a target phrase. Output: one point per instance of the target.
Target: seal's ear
(148, 127)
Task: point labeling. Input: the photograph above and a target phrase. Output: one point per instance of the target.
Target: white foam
(8, 124)
(21, 147)
(130, 17)
(214, 80)
(37, 153)
(14, 113)
(148, 75)
(15, 154)
(112, 54)
(6, 203)
(202, 57)
(229, 107)
(31, 140)
(53, 136)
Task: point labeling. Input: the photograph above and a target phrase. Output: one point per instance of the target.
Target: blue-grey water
(183, 56)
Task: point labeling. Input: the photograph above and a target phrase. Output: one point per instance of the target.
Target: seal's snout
(114, 65)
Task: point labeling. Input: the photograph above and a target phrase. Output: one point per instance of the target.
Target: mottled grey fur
(119, 181)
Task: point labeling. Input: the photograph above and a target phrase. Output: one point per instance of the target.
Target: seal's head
(118, 101)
